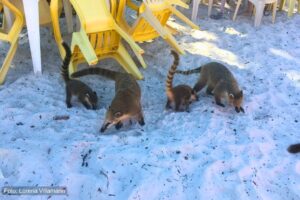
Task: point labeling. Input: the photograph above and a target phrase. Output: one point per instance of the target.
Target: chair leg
(128, 64)
(259, 7)
(281, 5)
(69, 15)
(210, 5)
(291, 7)
(183, 18)
(236, 9)
(7, 61)
(223, 2)
(195, 10)
(274, 11)
(8, 19)
(31, 9)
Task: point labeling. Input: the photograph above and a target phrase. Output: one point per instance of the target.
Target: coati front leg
(186, 104)
(168, 106)
(119, 125)
(68, 97)
(177, 105)
(218, 91)
(218, 101)
(141, 120)
(86, 105)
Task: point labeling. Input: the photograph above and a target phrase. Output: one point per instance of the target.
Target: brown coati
(220, 83)
(179, 97)
(75, 87)
(295, 148)
(126, 104)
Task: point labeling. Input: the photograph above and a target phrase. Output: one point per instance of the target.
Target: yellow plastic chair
(11, 37)
(99, 37)
(291, 6)
(44, 10)
(152, 20)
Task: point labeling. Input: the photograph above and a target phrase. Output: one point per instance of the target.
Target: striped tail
(295, 148)
(169, 82)
(65, 66)
(188, 72)
(96, 71)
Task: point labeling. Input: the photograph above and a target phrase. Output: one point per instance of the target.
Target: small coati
(179, 97)
(295, 148)
(220, 83)
(75, 87)
(126, 104)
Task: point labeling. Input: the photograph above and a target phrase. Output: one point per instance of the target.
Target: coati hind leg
(209, 90)
(200, 85)
(68, 97)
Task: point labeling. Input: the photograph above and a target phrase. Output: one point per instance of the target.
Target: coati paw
(220, 104)
(119, 125)
(141, 122)
(69, 106)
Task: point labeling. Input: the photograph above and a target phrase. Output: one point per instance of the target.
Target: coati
(126, 104)
(220, 83)
(179, 97)
(75, 87)
(295, 148)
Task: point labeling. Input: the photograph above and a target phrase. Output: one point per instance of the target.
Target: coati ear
(231, 96)
(118, 114)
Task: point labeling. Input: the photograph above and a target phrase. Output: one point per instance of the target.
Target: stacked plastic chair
(291, 6)
(259, 10)
(151, 22)
(11, 37)
(99, 37)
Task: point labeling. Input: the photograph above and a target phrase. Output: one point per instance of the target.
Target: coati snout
(237, 101)
(91, 100)
(113, 118)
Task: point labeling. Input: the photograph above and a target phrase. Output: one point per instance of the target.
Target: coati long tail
(65, 66)
(169, 82)
(295, 148)
(97, 71)
(192, 71)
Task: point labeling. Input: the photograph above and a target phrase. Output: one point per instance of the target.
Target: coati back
(75, 87)
(179, 97)
(126, 104)
(295, 148)
(220, 83)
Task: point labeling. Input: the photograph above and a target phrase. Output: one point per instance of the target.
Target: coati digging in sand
(179, 97)
(75, 87)
(127, 101)
(295, 148)
(220, 83)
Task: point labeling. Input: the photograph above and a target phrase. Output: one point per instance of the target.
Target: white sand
(209, 153)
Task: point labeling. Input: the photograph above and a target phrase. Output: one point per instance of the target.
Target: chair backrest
(17, 25)
(98, 23)
(141, 30)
